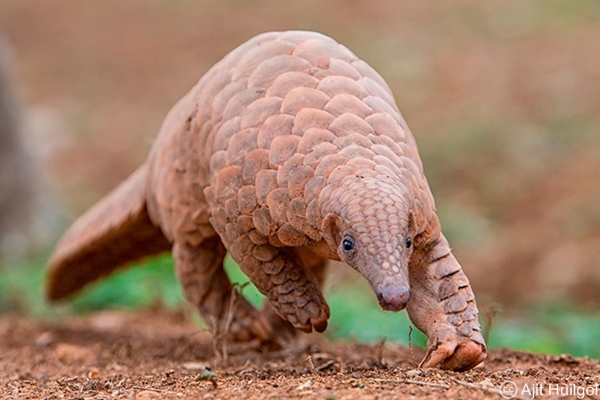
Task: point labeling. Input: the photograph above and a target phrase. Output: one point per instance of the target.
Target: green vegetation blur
(355, 314)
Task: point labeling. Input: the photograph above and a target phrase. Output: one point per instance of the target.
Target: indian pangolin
(289, 152)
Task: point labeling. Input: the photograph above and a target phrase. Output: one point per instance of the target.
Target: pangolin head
(380, 224)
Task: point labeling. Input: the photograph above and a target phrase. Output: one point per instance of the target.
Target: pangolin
(287, 153)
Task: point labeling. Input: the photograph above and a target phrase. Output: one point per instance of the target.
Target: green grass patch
(355, 314)
(148, 284)
(547, 328)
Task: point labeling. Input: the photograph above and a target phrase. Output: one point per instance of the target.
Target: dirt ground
(98, 78)
(161, 355)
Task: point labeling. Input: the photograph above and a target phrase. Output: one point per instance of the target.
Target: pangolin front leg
(443, 306)
(280, 275)
(315, 265)
(207, 287)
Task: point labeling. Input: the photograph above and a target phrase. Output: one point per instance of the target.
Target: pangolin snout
(393, 296)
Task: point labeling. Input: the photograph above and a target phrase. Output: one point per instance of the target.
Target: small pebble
(147, 395)
(206, 375)
(413, 372)
(305, 385)
(44, 339)
(194, 366)
(487, 382)
(69, 353)
(116, 367)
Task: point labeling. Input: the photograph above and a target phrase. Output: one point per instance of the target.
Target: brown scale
(288, 152)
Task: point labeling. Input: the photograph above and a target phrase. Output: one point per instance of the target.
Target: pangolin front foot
(281, 276)
(297, 298)
(448, 350)
(443, 306)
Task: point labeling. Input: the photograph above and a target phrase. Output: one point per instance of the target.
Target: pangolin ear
(412, 223)
(332, 231)
(423, 233)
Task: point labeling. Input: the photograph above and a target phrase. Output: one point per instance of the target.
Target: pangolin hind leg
(280, 275)
(207, 287)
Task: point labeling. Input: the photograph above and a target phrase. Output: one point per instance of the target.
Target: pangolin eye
(408, 243)
(348, 244)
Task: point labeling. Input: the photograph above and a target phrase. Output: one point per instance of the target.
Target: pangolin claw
(455, 356)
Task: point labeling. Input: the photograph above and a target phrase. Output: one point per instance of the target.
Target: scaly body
(288, 152)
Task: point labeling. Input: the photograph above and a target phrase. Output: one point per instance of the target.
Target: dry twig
(379, 350)
(489, 314)
(486, 388)
(220, 337)
(410, 346)
(430, 350)
(410, 381)
(325, 365)
(310, 364)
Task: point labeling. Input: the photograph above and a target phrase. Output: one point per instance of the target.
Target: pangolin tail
(113, 233)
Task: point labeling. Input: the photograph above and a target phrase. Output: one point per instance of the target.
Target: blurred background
(503, 98)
